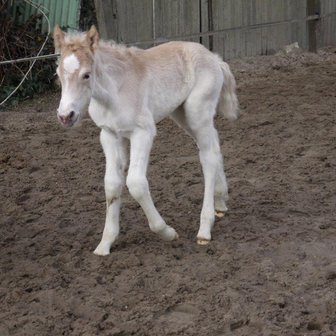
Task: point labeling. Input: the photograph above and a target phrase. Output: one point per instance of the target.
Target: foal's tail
(228, 103)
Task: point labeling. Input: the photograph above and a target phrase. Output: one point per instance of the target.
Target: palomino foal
(127, 91)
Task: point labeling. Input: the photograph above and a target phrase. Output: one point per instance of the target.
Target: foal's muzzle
(67, 120)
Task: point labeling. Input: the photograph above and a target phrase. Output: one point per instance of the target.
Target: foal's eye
(86, 76)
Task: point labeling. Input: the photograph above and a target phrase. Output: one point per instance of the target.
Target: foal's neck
(109, 67)
(114, 58)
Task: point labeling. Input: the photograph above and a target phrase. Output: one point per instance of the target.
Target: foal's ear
(93, 37)
(58, 38)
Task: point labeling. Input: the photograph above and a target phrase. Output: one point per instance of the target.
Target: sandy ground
(271, 267)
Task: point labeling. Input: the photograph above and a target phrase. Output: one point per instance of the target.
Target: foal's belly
(164, 104)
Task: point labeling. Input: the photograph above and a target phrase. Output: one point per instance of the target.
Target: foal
(127, 91)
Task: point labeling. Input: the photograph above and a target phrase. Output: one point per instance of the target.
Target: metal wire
(37, 58)
(38, 7)
(153, 41)
(201, 34)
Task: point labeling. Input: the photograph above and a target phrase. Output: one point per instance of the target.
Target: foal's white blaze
(71, 64)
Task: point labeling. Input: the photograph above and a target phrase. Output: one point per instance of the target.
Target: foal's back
(172, 70)
(181, 58)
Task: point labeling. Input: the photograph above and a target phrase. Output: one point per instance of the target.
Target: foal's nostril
(67, 119)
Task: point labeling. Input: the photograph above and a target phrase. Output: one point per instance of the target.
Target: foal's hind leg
(209, 152)
(200, 110)
(141, 144)
(221, 189)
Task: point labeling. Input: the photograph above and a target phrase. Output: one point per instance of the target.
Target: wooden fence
(232, 28)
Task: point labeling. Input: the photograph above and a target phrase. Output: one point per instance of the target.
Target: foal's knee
(137, 186)
(113, 188)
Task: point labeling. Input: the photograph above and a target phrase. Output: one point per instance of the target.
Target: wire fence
(191, 36)
(43, 11)
(317, 17)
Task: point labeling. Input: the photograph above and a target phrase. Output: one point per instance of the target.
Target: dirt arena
(271, 267)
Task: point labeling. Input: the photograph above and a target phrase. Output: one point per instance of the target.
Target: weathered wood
(313, 7)
(263, 26)
(205, 18)
(327, 26)
(106, 11)
(210, 23)
(232, 28)
(135, 20)
(177, 18)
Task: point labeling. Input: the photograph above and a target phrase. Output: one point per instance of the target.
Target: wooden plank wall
(257, 27)
(327, 27)
(125, 21)
(131, 21)
(176, 18)
(241, 27)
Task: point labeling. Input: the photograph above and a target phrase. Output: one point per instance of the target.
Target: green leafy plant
(20, 41)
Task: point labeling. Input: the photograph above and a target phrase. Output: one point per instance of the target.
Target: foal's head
(74, 71)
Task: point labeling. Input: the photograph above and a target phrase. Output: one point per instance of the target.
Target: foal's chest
(116, 121)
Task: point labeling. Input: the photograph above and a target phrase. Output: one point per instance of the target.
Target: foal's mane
(112, 64)
(116, 63)
(117, 56)
(107, 51)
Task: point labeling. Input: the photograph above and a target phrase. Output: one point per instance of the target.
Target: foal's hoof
(102, 250)
(202, 241)
(168, 234)
(219, 214)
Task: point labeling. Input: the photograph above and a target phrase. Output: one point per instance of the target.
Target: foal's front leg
(115, 153)
(141, 144)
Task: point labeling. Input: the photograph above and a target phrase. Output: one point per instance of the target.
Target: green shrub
(20, 41)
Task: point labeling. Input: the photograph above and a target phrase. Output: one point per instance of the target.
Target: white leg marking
(221, 190)
(208, 160)
(141, 144)
(114, 150)
(210, 157)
